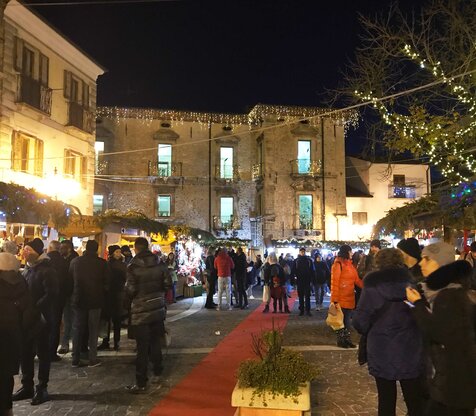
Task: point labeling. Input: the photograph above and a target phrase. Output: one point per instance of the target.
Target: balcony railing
(227, 173)
(305, 167)
(408, 191)
(164, 169)
(226, 223)
(80, 117)
(257, 172)
(33, 93)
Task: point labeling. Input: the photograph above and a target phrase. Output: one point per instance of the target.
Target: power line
(91, 2)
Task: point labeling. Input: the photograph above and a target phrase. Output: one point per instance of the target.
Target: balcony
(403, 192)
(226, 223)
(34, 94)
(257, 172)
(227, 174)
(80, 118)
(164, 169)
(305, 168)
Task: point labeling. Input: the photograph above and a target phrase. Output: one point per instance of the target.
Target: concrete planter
(278, 406)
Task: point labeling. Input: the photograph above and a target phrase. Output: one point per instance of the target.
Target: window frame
(158, 205)
(230, 217)
(302, 224)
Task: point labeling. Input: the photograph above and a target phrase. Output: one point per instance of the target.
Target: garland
(132, 219)
(23, 205)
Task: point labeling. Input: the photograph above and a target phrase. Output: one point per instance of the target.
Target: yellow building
(47, 107)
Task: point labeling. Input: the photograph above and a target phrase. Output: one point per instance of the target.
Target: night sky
(223, 56)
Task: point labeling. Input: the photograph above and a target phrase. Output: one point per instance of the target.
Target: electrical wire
(91, 2)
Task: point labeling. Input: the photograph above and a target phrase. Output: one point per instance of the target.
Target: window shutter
(18, 54)
(66, 162)
(84, 171)
(16, 151)
(67, 85)
(44, 70)
(38, 157)
(85, 90)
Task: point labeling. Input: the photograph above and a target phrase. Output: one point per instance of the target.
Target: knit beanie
(112, 249)
(9, 262)
(411, 247)
(441, 252)
(37, 245)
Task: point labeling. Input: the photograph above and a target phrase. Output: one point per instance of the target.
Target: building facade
(47, 108)
(274, 173)
(375, 188)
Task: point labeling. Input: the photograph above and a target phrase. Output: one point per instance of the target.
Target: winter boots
(343, 338)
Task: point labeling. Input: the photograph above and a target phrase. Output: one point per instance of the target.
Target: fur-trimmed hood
(390, 283)
(458, 272)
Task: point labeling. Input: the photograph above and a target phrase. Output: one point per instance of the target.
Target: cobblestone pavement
(342, 387)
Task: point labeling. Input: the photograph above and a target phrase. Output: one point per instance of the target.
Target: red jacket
(343, 279)
(223, 263)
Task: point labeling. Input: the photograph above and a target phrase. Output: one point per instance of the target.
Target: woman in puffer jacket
(344, 278)
(394, 341)
(446, 315)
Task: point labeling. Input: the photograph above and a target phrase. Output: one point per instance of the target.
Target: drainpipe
(210, 176)
(428, 180)
(323, 211)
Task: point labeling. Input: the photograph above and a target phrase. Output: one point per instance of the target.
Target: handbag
(266, 293)
(362, 351)
(335, 317)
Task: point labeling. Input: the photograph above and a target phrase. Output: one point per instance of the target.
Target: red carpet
(206, 391)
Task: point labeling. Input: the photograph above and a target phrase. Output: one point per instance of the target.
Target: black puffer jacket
(61, 267)
(43, 285)
(147, 283)
(90, 281)
(449, 330)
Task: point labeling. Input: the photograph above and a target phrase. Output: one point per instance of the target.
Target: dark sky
(220, 56)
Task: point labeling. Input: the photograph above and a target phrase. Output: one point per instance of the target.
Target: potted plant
(277, 383)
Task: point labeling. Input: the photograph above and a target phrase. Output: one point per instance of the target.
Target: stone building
(47, 107)
(274, 173)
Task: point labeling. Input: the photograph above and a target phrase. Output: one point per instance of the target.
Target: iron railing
(33, 93)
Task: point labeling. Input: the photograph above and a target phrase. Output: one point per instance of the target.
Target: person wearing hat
(368, 262)
(114, 309)
(42, 283)
(446, 315)
(303, 269)
(411, 256)
(126, 252)
(14, 300)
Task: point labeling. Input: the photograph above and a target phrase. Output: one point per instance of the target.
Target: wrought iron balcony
(257, 172)
(226, 223)
(80, 117)
(33, 93)
(405, 191)
(305, 167)
(164, 169)
(227, 174)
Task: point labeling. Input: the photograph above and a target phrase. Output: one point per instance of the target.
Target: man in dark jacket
(411, 256)
(61, 267)
(43, 286)
(240, 274)
(304, 272)
(90, 284)
(211, 278)
(67, 252)
(147, 283)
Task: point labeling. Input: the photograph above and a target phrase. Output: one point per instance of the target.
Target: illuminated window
(164, 205)
(98, 201)
(27, 154)
(164, 157)
(226, 162)
(304, 156)
(226, 210)
(359, 218)
(305, 212)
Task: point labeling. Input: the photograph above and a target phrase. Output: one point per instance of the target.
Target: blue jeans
(347, 318)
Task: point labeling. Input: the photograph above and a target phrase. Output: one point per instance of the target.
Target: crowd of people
(415, 309)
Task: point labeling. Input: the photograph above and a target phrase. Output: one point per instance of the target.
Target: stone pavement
(342, 387)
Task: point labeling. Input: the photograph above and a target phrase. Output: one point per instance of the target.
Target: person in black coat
(304, 271)
(61, 267)
(14, 301)
(446, 315)
(90, 284)
(147, 283)
(43, 287)
(241, 280)
(211, 278)
(394, 342)
(115, 298)
(321, 276)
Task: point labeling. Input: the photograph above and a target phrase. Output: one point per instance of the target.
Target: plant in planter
(279, 379)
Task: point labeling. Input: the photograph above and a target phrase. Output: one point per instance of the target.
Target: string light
(453, 144)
